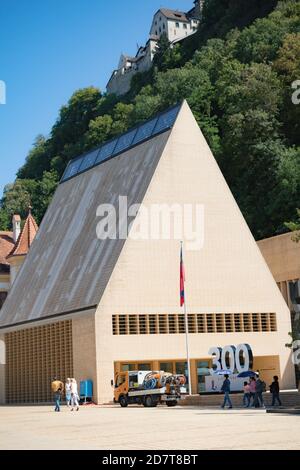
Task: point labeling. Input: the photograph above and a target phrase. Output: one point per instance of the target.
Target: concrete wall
(2, 371)
(228, 275)
(15, 266)
(84, 350)
(175, 32)
(282, 255)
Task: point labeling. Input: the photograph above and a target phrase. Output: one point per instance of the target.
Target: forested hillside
(236, 74)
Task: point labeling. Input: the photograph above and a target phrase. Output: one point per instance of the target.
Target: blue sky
(50, 48)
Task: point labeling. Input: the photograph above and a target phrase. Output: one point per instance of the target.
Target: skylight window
(89, 160)
(145, 131)
(125, 141)
(120, 144)
(106, 151)
(72, 168)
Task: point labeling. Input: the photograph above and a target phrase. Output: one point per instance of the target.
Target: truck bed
(155, 391)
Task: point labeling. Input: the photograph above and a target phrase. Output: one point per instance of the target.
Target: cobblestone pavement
(112, 427)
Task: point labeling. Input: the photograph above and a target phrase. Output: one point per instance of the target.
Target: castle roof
(25, 238)
(175, 15)
(6, 245)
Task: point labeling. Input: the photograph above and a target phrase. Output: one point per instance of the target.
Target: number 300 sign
(231, 358)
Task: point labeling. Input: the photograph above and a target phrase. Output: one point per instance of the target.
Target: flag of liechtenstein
(182, 279)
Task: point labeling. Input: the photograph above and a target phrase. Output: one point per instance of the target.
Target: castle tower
(198, 8)
(23, 241)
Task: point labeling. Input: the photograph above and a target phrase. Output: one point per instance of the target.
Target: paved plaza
(160, 428)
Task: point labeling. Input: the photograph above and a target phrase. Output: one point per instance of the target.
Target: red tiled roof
(6, 245)
(25, 239)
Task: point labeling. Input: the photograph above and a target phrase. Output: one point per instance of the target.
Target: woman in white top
(68, 392)
(74, 395)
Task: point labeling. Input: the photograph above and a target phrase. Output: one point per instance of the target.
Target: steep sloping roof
(68, 267)
(6, 245)
(25, 239)
(174, 15)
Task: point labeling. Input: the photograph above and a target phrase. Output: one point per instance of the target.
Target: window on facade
(3, 296)
(160, 29)
(143, 324)
(128, 367)
(197, 323)
(166, 367)
(163, 328)
(184, 26)
(145, 366)
(164, 26)
(177, 24)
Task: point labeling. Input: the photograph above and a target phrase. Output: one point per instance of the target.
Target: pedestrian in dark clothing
(274, 389)
(260, 388)
(57, 399)
(226, 390)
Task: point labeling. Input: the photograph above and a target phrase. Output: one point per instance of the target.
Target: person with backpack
(275, 390)
(226, 390)
(260, 389)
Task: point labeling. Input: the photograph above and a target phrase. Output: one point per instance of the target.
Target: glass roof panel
(144, 131)
(72, 168)
(166, 120)
(89, 160)
(106, 151)
(125, 141)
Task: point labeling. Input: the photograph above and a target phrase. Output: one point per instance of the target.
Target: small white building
(176, 25)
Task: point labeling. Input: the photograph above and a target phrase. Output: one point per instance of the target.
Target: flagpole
(187, 337)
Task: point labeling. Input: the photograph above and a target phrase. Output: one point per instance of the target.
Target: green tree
(17, 197)
(287, 65)
(295, 227)
(37, 160)
(74, 118)
(163, 46)
(99, 131)
(122, 118)
(43, 194)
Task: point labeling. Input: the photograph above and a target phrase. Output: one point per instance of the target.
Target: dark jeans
(275, 397)
(57, 404)
(227, 400)
(246, 399)
(258, 399)
(252, 395)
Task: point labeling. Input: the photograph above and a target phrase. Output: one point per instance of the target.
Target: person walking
(226, 390)
(56, 384)
(74, 395)
(246, 397)
(252, 386)
(68, 392)
(57, 398)
(260, 388)
(57, 388)
(275, 390)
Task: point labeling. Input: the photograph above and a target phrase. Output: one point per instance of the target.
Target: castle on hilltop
(176, 25)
